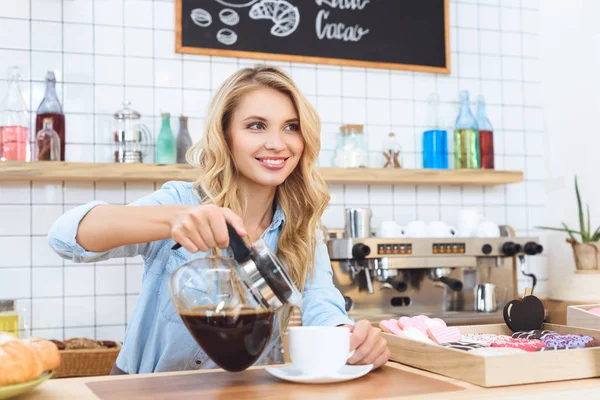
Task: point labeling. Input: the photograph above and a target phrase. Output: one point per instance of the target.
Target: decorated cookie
(436, 323)
(523, 344)
(593, 343)
(526, 314)
(466, 346)
(533, 334)
(483, 338)
(444, 335)
(419, 322)
(391, 326)
(568, 341)
(496, 351)
(416, 334)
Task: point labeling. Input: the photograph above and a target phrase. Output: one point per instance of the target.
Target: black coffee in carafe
(233, 337)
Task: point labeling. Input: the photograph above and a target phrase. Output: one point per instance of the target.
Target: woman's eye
(256, 126)
(292, 127)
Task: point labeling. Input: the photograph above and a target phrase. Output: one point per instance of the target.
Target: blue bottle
(435, 139)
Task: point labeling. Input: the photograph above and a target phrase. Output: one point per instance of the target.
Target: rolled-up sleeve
(323, 302)
(63, 232)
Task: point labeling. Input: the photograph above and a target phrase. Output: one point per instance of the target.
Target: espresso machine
(384, 278)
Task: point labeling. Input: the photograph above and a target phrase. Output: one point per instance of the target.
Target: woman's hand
(368, 344)
(200, 228)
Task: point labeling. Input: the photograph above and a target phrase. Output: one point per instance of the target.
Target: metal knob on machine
(532, 248)
(511, 248)
(360, 251)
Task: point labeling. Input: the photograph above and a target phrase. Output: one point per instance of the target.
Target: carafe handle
(241, 252)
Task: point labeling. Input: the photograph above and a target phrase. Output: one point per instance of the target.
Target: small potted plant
(586, 250)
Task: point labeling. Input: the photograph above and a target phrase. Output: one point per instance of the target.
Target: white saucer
(348, 372)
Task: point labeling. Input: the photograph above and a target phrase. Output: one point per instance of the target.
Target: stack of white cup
(471, 223)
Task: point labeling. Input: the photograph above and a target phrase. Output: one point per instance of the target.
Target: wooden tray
(384, 383)
(580, 316)
(500, 370)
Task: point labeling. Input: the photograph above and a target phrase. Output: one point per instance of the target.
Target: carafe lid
(272, 284)
(126, 112)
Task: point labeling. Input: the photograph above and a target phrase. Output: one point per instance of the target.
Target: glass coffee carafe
(228, 303)
(129, 136)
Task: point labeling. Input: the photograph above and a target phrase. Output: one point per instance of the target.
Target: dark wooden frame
(179, 48)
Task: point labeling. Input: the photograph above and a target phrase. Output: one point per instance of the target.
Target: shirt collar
(278, 217)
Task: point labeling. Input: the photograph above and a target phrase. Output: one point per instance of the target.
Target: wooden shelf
(103, 172)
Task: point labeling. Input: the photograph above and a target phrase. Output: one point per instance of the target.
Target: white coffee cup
(487, 229)
(440, 229)
(416, 229)
(390, 229)
(468, 220)
(319, 350)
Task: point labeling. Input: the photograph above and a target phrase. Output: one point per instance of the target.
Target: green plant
(584, 231)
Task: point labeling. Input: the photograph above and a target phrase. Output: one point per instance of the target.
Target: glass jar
(350, 151)
(9, 318)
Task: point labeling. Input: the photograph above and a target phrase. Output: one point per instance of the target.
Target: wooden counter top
(254, 383)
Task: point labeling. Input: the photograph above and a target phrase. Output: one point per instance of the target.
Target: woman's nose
(275, 141)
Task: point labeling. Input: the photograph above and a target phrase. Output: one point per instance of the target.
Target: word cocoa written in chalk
(337, 31)
(344, 4)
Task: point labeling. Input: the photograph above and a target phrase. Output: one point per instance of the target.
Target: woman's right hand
(200, 228)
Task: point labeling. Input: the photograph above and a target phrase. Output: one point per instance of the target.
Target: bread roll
(18, 362)
(46, 351)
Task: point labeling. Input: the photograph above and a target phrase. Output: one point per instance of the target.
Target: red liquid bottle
(14, 121)
(50, 108)
(486, 136)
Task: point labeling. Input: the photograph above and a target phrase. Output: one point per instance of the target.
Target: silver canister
(485, 297)
(358, 223)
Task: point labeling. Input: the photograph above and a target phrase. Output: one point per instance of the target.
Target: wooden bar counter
(394, 381)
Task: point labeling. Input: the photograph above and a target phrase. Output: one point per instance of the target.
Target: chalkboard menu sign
(395, 34)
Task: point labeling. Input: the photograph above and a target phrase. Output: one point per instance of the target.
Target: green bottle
(166, 148)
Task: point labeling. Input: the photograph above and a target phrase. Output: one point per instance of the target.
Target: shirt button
(198, 362)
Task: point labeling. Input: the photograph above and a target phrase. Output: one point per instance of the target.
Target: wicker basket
(86, 362)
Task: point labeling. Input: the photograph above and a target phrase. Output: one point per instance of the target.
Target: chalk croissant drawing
(227, 36)
(201, 17)
(237, 3)
(229, 17)
(284, 15)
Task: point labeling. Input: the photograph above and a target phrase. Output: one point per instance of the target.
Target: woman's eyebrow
(255, 117)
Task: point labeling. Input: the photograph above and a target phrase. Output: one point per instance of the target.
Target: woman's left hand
(368, 344)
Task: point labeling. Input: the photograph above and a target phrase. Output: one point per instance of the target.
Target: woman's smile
(273, 163)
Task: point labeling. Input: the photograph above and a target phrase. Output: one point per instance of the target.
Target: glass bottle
(50, 108)
(466, 136)
(184, 140)
(14, 121)
(9, 318)
(166, 149)
(435, 139)
(47, 143)
(392, 152)
(486, 135)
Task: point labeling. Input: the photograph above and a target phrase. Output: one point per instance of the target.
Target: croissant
(25, 360)
(284, 15)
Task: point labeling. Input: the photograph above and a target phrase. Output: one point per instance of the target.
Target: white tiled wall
(107, 51)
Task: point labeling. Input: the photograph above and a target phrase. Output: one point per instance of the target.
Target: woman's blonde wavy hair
(303, 196)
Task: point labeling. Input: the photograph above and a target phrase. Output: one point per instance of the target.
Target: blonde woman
(256, 166)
